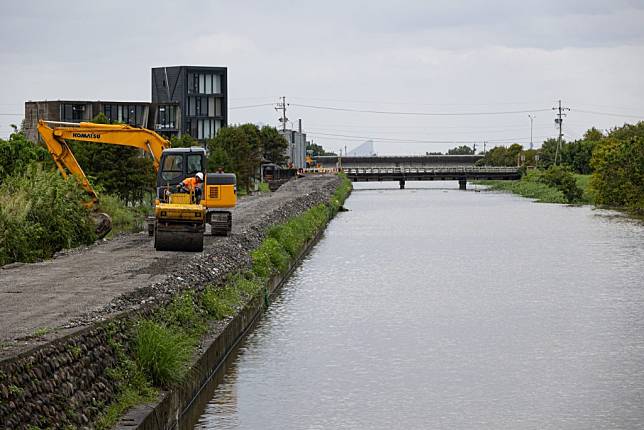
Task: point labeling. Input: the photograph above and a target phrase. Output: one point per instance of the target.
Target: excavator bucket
(103, 224)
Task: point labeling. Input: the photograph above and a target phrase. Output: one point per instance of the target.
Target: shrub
(161, 352)
(40, 214)
(562, 179)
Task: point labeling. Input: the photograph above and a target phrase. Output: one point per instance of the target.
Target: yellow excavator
(179, 218)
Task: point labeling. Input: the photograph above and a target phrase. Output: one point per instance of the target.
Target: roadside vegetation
(162, 344)
(604, 169)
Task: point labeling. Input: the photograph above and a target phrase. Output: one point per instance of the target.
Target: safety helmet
(200, 176)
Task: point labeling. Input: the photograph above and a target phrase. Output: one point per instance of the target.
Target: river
(431, 307)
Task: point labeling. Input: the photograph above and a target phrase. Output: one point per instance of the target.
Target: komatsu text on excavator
(180, 218)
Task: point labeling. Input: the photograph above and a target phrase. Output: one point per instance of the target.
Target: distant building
(132, 113)
(190, 99)
(363, 150)
(296, 150)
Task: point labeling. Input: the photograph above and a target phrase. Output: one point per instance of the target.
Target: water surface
(435, 308)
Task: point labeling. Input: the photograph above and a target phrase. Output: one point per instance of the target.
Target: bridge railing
(429, 170)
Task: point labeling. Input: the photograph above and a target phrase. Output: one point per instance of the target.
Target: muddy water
(435, 308)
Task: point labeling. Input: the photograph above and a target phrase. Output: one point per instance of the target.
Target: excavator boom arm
(111, 134)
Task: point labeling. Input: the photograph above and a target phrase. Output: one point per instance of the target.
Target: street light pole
(532, 117)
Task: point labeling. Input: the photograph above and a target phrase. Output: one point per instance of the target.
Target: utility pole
(281, 106)
(484, 147)
(559, 121)
(532, 117)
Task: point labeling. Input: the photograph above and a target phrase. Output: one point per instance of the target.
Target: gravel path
(86, 284)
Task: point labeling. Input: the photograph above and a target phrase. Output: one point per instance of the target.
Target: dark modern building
(132, 113)
(190, 99)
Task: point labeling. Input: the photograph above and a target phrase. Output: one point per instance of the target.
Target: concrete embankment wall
(63, 383)
(66, 383)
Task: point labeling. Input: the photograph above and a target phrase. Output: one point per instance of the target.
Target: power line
(417, 113)
(12, 114)
(609, 114)
(250, 106)
(412, 103)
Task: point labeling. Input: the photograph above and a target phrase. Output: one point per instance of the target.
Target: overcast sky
(404, 56)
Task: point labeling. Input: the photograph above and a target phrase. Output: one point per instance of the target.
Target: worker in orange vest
(193, 184)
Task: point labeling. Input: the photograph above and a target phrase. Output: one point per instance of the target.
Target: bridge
(404, 168)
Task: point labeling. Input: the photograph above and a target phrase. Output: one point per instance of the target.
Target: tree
(618, 168)
(273, 144)
(185, 141)
(547, 153)
(501, 156)
(17, 153)
(232, 148)
(461, 150)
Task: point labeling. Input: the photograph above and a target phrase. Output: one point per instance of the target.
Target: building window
(204, 83)
(166, 117)
(207, 128)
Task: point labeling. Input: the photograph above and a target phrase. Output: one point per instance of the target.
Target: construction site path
(39, 297)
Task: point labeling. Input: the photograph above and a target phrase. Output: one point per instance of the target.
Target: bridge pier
(402, 184)
(462, 184)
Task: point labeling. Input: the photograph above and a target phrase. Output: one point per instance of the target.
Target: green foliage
(529, 186)
(563, 180)
(236, 149)
(502, 156)
(184, 313)
(17, 154)
(273, 144)
(40, 214)
(117, 169)
(264, 188)
(221, 302)
(162, 352)
(554, 185)
(185, 141)
(461, 150)
(618, 164)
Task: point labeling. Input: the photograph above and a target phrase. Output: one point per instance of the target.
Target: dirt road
(85, 284)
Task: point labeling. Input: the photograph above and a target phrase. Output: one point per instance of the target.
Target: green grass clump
(220, 302)
(263, 187)
(162, 352)
(185, 313)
